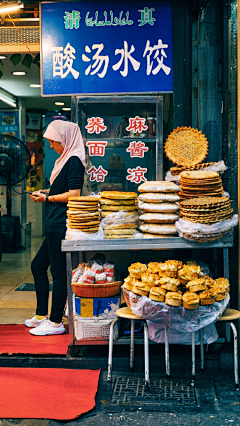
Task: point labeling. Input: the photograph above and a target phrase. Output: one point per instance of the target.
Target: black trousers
(50, 254)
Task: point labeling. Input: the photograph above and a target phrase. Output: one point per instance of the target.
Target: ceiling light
(35, 85)
(59, 103)
(19, 73)
(8, 98)
(10, 6)
(2, 57)
(66, 109)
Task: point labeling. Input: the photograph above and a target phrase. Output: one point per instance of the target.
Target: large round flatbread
(200, 174)
(117, 195)
(158, 197)
(83, 198)
(158, 186)
(120, 226)
(81, 208)
(117, 202)
(159, 208)
(83, 215)
(117, 208)
(126, 214)
(119, 231)
(158, 217)
(186, 146)
(158, 229)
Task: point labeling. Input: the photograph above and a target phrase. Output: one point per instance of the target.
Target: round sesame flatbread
(117, 208)
(117, 237)
(119, 231)
(126, 214)
(121, 226)
(83, 198)
(117, 202)
(117, 195)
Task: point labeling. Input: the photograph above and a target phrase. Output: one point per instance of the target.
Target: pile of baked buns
(158, 204)
(175, 284)
(83, 213)
(123, 225)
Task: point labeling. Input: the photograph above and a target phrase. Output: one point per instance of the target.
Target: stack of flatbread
(121, 225)
(200, 183)
(158, 206)
(206, 210)
(83, 213)
(179, 169)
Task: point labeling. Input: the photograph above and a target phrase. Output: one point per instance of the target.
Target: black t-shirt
(70, 177)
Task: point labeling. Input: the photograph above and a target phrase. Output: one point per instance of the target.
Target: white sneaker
(47, 328)
(34, 322)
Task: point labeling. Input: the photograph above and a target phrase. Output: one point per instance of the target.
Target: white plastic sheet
(76, 234)
(219, 167)
(177, 318)
(192, 228)
(156, 333)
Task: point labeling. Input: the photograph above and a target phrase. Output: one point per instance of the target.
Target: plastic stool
(230, 315)
(127, 313)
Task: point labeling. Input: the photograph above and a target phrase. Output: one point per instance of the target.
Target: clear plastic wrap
(219, 167)
(76, 234)
(156, 333)
(122, 218)
(201, 232)
(177, 318)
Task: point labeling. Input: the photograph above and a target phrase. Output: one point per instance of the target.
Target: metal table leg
(235, 355)
(167, 361)
(201, 349)
(70, 298)
(193, 360)
(146, 355)
(226, 275)
(132, 343)
(110, 350)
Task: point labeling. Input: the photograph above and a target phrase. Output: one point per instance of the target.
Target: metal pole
(132, 343)
(193, 360)
(146, 355)
(69, 296)
(235, 355)
(167, 361)
(201, 349)
(110, 351)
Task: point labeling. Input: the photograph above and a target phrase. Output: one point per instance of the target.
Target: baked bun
(224, 282)
(207, 298)
(190, 300)
(157, 294)
(150, 279)
(209, 282)
(195, 286)
(136, 270)
(127, 286)
(219, 292)
(173, 298)
(153, 267)
(169, 284)
(188, 273)
(140, 288)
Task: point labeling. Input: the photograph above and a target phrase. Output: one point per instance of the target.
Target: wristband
(47, 198)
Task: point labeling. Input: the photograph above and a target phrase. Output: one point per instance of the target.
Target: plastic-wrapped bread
(158, 229)
(158, 197)
(147, 235)
(158, 207)
(158, 186)
(158, 217)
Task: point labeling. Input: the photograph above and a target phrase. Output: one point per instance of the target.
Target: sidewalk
(173, 401)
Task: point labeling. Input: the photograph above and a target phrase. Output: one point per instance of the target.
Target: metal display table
(173, 243)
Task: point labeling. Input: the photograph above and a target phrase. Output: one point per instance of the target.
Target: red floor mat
(16, 339)
(47, 393)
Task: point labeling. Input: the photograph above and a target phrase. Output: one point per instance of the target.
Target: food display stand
(71, 247)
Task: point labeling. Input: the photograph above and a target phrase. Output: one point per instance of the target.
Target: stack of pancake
(158, 207)
(126, 224)
(83, 214)
(179, 169)
(206, 210)
(200, 183)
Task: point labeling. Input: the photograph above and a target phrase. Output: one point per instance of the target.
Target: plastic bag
(187, 227)
(219, 167)
(76, 234)
(121, 218)
(156, 333)
(177, 318)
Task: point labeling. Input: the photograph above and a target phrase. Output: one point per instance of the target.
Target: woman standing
(66, 181)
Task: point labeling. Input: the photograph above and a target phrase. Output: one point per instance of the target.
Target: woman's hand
(38, 197)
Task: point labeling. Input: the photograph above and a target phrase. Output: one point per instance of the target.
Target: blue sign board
(106, 47)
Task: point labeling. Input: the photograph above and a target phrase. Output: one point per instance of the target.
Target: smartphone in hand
(31, 193)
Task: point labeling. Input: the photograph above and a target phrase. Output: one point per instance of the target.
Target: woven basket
(97, 290)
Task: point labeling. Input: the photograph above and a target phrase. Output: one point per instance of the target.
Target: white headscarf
(69, 135)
